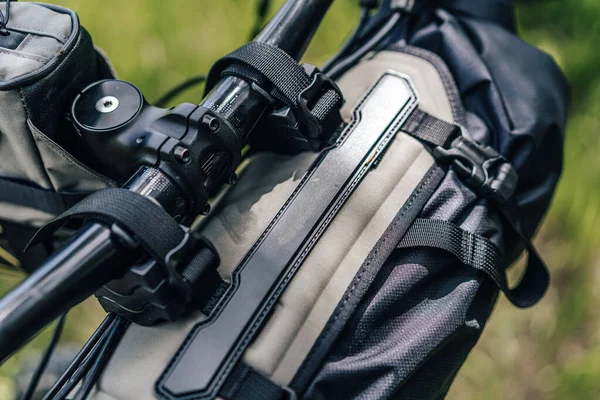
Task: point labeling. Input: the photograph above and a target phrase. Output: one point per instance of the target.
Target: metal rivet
(107, 104)
(182, 154)
(210, 122)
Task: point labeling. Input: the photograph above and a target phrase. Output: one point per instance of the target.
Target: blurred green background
(551, 351)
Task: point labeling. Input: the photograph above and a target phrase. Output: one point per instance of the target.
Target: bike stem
(97, 253)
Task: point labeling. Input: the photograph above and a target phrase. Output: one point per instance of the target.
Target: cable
(104, 356)
(41, 368)
(84, 367)
(262, 11)
(362, 22)
(345, 64)
(185, 85)
(82, 357)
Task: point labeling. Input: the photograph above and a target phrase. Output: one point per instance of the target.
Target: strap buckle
(481, 168)
(320, 84)
(178, 260)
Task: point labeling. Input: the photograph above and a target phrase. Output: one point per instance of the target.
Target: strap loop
(314, 97)
(172, 246)
(480, 253)
(490, 175)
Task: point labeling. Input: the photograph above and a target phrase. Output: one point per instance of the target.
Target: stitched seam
(363, 269)
(66, 156)
(39, 156)
(39, 59)
(292, 270)
(24, 42)
(441, 67)
(61, 38)
(333, 212)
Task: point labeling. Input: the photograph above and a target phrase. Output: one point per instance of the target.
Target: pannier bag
(451, 153)
(44, 62)
(397, 289)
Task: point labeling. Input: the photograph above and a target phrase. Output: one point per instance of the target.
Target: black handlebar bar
(95, 255)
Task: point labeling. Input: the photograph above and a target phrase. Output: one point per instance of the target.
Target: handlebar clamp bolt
(210, 123)
(182, 154)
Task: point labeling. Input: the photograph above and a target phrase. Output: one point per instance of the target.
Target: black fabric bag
(416, 323)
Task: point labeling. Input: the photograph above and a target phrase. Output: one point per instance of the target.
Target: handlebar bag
(45, 60)
(366, 315)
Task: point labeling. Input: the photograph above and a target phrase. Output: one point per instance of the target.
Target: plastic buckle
(177, 258)
(482, 168)
(320, 84)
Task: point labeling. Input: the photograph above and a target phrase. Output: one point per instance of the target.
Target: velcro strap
(276, 72)
(44, 200)
(152, 227)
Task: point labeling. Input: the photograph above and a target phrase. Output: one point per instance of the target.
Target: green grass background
(551, 351)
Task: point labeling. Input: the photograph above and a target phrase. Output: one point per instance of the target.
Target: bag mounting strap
(314, 98)
(189, 268)
(490, 175)
(245, 383)
(44, 200)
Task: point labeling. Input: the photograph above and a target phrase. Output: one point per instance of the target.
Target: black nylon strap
(156, 231)
(275, 66)
(430, 129)
(245, 383)
(479, 253)
(536, 278)
(129, 210)
(48, 201)
(442, 134)
(276, 72)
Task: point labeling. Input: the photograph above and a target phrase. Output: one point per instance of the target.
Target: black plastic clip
(403, 5)
(482, 168)
(320, 84)
(178, 261)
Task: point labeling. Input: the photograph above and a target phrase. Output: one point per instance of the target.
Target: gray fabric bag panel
(44, 62)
